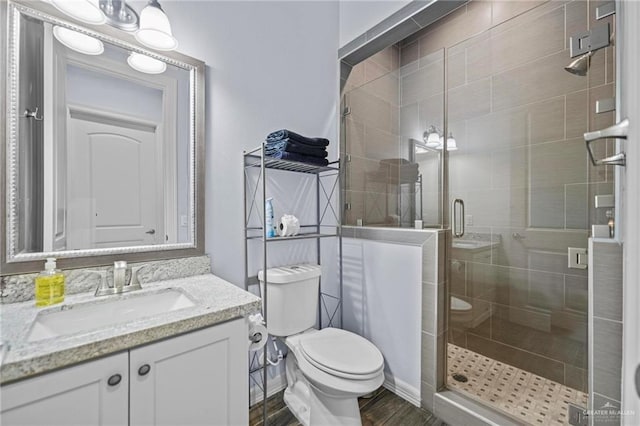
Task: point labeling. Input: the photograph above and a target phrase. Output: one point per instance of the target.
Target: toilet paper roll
(289, 226)
(258, 334)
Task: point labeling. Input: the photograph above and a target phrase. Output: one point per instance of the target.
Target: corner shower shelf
(254, 196)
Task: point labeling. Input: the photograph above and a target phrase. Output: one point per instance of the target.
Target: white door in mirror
(115, 185)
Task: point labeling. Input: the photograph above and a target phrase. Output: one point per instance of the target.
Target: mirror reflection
(103, 145)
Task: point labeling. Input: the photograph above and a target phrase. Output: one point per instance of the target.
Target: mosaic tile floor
(523, 395)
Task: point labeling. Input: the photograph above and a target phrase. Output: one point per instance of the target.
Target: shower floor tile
(523, 395)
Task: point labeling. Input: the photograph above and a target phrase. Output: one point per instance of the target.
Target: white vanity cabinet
(78, 395)
(198, 378)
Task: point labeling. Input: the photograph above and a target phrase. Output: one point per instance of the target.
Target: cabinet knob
(144, 369)
(114, 380)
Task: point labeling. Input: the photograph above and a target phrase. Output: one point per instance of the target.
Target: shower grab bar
(617, 131)
(454, 217)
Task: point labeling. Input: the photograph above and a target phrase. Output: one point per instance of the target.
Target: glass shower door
(517, 329)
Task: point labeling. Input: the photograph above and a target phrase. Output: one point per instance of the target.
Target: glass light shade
(451, 143)
(146, 64)
(433, 138)
(155, 29)
(77, 41)
(87, 11)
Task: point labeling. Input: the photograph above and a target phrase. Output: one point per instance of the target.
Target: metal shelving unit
(327, 186)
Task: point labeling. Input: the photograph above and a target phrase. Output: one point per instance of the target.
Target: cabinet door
(79, 395)
(199, 378)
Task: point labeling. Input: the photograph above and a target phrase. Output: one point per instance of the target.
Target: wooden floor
(384, 408)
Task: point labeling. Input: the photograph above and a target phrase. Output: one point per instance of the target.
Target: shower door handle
(617, 131)
(458, 231)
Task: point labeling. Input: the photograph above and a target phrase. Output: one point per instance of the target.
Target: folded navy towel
(289, 146)
(291, 156)
(288, 134)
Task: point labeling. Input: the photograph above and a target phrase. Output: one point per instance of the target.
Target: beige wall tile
(457, 64)
(423, 83)
(409, 53)
(370, 110)
(458, 26)
(468, 170)
(410, 126)
(509, 168)
(546, 207)
(505, 10)
(558, 163)
(535, 81)
(387, 58)
(577, 121)
(532, 39)
(470, 100)
(431, 111)
(385, 87)
(380, 144)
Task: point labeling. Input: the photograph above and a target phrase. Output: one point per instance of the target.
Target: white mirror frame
(12, 262)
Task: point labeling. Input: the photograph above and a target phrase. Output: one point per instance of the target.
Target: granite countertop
(216, 301)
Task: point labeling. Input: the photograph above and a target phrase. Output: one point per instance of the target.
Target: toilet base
(322, 410)
(313, 407)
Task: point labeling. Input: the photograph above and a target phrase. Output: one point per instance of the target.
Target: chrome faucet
(120, 284)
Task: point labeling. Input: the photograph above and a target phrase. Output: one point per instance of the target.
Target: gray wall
(270, 65)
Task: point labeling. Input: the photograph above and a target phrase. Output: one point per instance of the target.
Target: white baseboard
(402, 389)
(274, 385)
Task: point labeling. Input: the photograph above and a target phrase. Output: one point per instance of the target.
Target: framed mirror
(104, 145)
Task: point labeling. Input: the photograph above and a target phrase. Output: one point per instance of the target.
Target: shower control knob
(144, 370)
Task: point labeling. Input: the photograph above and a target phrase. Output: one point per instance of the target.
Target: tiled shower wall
(522, 170)
(372, 94)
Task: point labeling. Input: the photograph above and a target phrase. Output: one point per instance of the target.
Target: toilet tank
(292, 298)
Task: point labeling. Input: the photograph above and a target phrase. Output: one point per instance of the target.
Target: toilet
(327, 370)
(461, 312)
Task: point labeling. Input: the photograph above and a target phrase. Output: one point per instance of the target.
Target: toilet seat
(342, 354)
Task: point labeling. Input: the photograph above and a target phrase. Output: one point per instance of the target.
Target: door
(199, 378)
(115, 183)
(96, 391)
(521, 168)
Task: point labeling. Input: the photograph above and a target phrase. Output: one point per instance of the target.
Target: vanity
(75, 364)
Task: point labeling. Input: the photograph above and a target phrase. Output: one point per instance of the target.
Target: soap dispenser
(49, 284)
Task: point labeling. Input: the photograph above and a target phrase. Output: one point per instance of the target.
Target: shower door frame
(449, 405)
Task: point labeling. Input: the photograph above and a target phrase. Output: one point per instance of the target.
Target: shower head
(580, 65)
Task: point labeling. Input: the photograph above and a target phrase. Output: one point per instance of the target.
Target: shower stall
(473, 124)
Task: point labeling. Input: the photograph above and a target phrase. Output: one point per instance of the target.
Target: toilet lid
(342, 353)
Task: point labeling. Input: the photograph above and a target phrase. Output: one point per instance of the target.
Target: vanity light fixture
(155, 29)
(431, 137)
(146, 64)
(87, 11)
(77, 41)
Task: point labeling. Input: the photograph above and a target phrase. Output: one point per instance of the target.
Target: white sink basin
(100, 314)
(466, 244)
